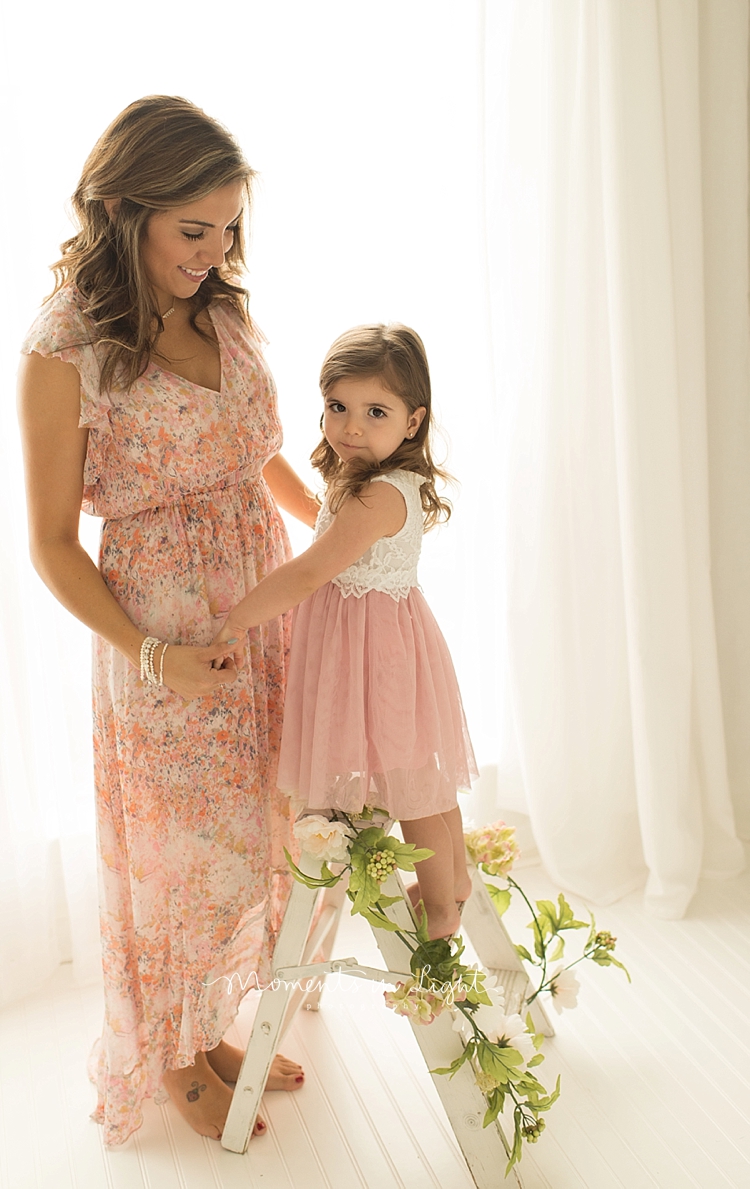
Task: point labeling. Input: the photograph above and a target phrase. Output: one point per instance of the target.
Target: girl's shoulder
(407, 482)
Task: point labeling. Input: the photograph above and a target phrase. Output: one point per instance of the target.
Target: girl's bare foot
(463, 889)
(226, 1059)
(462, 894)
(442, 920)
(202, 1098)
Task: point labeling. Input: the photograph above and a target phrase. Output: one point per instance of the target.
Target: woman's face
(180, 245)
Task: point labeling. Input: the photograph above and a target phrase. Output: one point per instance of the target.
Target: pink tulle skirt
(373, 713)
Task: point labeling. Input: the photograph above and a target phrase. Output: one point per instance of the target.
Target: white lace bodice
(390, 565)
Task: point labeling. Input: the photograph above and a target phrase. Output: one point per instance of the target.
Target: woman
(144, 399)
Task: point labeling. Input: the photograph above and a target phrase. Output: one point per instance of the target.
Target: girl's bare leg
(202, 1097)
(436, 884)
(226, 1059)
(461, 877)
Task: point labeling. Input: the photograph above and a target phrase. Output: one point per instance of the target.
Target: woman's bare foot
(226, 1059)
(202, 1098)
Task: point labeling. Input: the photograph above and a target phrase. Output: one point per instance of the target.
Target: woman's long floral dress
(191, 827)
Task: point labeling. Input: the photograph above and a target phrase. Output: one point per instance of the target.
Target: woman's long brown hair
(396, 356)
(161, 152)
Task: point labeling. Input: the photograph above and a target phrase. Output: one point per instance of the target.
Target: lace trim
(390, 565)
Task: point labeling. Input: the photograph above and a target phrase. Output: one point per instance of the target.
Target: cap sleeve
(62, 331)
(405, 481)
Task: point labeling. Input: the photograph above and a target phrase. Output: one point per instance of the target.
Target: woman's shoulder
(242, 329)
(60, 324)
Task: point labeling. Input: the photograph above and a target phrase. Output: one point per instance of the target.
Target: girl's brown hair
(396, 356)
(161, 152)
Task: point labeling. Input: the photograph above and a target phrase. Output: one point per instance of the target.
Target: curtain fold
(613, 663)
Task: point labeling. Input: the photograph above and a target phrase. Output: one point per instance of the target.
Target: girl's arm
(380, 511)
(290, 492)
(54, 453)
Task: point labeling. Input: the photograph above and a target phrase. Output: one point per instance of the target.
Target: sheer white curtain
(616, 151)
(554, 195)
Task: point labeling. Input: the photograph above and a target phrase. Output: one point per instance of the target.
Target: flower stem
(538, 930)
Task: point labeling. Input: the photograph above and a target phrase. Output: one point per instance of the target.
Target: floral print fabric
(191, 826)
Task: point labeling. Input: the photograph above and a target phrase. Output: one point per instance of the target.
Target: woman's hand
(194, 672)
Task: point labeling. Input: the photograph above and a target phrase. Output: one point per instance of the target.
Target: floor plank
(655, 1076)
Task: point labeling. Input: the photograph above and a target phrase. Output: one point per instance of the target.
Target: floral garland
(503, 1049)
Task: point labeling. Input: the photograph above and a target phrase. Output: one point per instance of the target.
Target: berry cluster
(532, 1129)
(381, 865)
(605, 940)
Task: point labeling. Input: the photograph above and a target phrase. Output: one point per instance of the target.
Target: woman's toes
(285, 1074)
(260, 1127)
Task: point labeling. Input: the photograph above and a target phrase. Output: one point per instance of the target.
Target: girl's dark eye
(378, 413)
(189, 236)
(336, 407)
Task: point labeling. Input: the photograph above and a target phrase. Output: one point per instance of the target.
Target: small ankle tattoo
(192, 1095)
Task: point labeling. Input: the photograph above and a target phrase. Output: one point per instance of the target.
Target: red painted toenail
(301, 1078)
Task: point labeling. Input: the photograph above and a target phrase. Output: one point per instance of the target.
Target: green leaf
(477, 994)
(553, 1096)
(592, 931)
(500, 897)
(456, 1065)
(535, 1060)
(495, 1102)
(422, 932)
(407, 855)
(380, 922)
(368, 839)
(557, 951)
(566, 919)
(604, 958)
(524, 953)
(517, 1150)
(311, 881)
(499, 1063)
(387, 901)
(538, 1036)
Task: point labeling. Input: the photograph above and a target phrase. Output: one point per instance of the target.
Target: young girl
(373, 712)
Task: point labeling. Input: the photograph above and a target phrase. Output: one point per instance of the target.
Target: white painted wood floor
(656, 1080)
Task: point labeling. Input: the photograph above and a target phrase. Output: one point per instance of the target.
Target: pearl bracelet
(148, 651)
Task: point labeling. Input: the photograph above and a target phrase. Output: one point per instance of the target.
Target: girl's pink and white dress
(373, 712)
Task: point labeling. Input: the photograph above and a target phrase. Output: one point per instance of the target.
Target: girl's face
(182, 244)
(362, 419)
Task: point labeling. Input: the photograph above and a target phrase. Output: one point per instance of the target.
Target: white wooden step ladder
(300, 941)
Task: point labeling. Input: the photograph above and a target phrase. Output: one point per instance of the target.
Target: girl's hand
(190, 671)
(233, 639)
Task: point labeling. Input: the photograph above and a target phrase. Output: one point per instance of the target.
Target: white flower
(511, 1032)
(494, 990)
(328, 841)
(564, 988)
(489, 1019)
